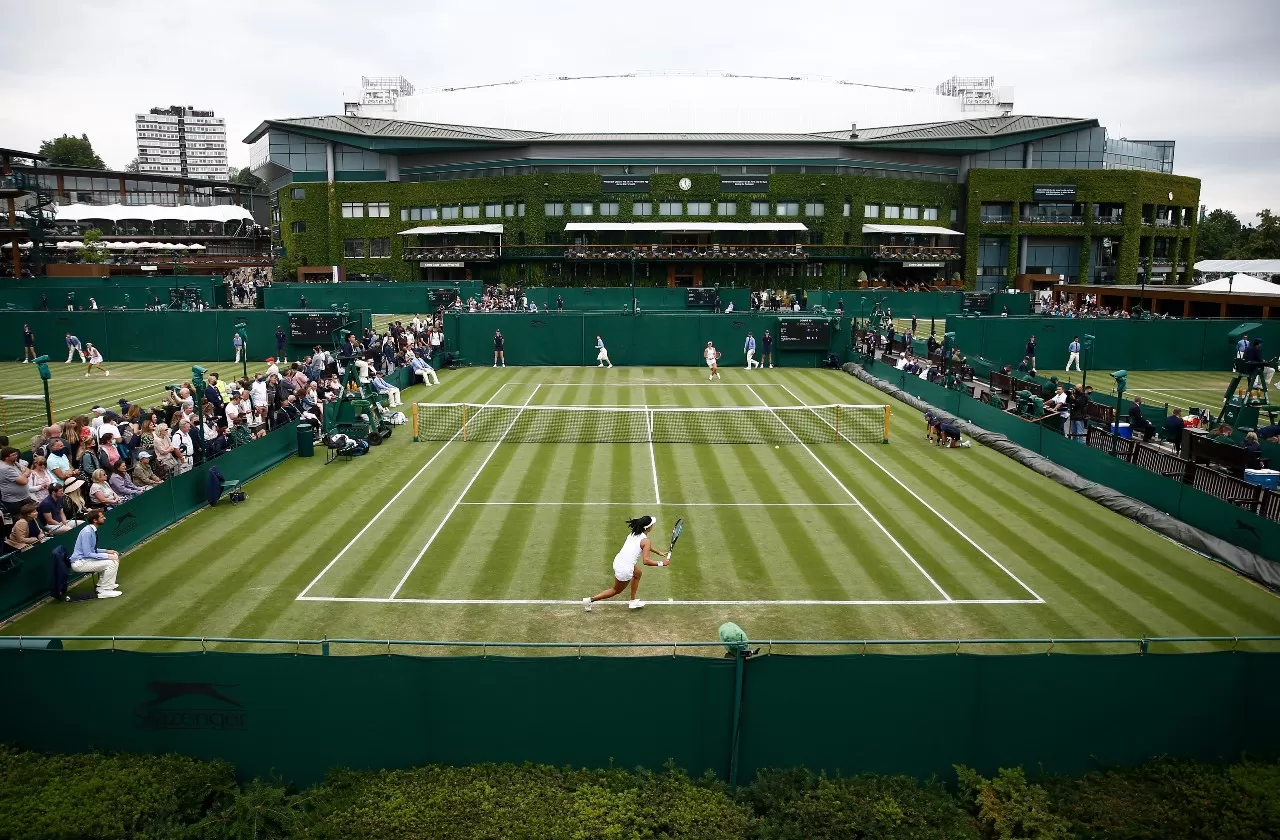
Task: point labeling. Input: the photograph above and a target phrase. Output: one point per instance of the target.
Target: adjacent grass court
(496, 541)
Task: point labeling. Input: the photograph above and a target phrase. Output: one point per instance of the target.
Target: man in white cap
(143, 475)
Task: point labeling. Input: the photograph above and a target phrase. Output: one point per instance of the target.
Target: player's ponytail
(640, 525)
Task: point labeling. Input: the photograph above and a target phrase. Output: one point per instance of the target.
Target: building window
(844, 269)
(449, 213)
(786, 270)
(298, 193)
(642, 208)
(759, 208)
(931, 214)
(788, 208)
(380, 247)
(953, 215)
(581, 208)
(814, 208)
(353, 248)
(298, 227)
(508, 210)
(813, 269)
(727, 208)
(379, 210)
(699, 208)
(848, 209)
(553, 208)
(670, 208)
(608, 208)
(493, 211)
(352, 210)
(520, 209)
(892, 212)
(471, 211)
(911, 212)
(430, 214)
(871, 211)
(404, 214)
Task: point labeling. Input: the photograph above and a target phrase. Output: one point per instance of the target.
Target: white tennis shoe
(635, 605)
(586, 604)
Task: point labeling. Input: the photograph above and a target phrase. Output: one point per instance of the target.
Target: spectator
(1173, 426)
(423, 369)
(101, 495)
(1073, 351)
(167, 460)
(382, 386)
(26, 530)
(58, 463)
(53, 514)
(184, 448)
(1079, 413)
(237, 344)
(216, 441)
(14, 479)
(108, 454)
(122, 483)
(41, 479)
(143, 476)
(1241, 346)
(87, 558)
(1057, 404)
(1139, 424)
(1271, 434)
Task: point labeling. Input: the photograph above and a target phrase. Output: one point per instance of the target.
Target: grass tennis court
(492, 541)
(1178, 388)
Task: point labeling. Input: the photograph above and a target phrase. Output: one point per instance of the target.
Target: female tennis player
(602, 355)
(94, 360)
(712, 355)
(626, 565)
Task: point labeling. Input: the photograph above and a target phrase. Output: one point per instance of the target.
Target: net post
(464, 422)
(415, 422)
(886, 425)
(837, 423)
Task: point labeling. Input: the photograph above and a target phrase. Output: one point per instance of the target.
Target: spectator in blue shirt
(87, 558)
(382, 386)
(1241, 346)
(1074, 350)
(750, 348)
(421, 367)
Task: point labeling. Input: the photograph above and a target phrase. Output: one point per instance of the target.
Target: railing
(1229, 488)
(453, 253)
(996, 218)
(915, 252)
(1053, 220)
(1161, 223)
(684, 252)
(1117, 219)
(16, 181)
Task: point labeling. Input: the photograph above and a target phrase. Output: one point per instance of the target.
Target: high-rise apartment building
(182, 141)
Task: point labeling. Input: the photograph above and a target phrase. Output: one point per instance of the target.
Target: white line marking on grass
(674, 504)
(932, 510)
(398, 494)
(1173, 396)
(461, 495)
(936, 602)
(653, 461)
(848, 492)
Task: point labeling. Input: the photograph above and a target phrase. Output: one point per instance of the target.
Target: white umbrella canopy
(1239, 284)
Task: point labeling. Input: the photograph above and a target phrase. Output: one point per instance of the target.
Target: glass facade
(1010, 157)
(1054, 256)
(1077, 150)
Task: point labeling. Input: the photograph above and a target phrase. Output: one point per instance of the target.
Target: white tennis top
(630, 551)
(709, 354)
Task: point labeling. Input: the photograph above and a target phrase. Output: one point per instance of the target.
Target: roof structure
(152, 213)
(926, 229)
(428, 230)
(1225, 266)
(959, 135)
(1240, 284)
(681, 227)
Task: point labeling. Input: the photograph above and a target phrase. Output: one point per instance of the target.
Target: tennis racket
(676, 531)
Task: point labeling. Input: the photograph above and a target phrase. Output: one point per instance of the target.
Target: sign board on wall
(744, 183)
(440, 265)
(923, 265)
(624, 183)
(1053, 192)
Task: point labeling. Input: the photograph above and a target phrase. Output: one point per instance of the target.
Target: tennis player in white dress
(602, 355)
(712, 356)
(635, 552)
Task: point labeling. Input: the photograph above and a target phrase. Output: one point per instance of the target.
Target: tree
(93, 251)
(245, 178)
(133, 165)
(1219, 234)
(1264, 243)
(71, 151)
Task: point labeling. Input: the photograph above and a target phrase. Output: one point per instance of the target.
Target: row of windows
(893, 211)
(358, 210)
(495, 210)
(674, 169)
(354, 249)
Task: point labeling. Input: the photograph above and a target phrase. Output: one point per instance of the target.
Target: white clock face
(1171, 196)
(686, 184)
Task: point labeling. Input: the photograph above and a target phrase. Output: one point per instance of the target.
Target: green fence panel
(1230, 522)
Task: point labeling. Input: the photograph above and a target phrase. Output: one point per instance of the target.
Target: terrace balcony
(452, 253)
(1053, 220)
(685, 252)
(996, 218)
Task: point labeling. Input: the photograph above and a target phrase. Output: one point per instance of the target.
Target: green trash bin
(306, 443)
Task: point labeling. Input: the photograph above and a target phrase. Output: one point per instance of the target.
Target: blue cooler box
(1269, 479)
(1125, 431)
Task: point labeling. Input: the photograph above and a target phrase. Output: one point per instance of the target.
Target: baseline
(935, 602)
(930, 507)
(392, 501)
(849, 493)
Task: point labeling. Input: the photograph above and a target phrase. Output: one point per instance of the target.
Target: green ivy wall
(321, 244)
(1131, 188)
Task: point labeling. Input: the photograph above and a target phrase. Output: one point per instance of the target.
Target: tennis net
(595, 424)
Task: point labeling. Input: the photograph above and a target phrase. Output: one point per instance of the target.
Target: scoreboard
(976, 302)
(314, 329)
(701, 297)
(804, 334)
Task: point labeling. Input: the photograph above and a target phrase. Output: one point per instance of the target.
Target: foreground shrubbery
(126, 796)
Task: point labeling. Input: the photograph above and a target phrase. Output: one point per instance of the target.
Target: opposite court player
(626, 565)
(602, 355)
(711, 355)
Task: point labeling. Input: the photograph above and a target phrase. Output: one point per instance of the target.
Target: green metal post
(48, 404)
(737, 718)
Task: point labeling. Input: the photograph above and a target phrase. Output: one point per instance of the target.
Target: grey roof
(375, 127)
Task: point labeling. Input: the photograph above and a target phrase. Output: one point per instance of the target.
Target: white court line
(848, 492)
(483, 464)
(936, 602)
(932, 510)
(653, 461)
(1214, 390)
(1171, 395)
(376, 516)
(672, 504)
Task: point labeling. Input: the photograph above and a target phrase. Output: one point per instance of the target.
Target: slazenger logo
(125, 524)
(181, 705)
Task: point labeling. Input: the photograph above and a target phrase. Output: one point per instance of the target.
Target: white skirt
(624, 568)
(603, 355)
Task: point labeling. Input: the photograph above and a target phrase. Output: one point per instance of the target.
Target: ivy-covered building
(988, 202)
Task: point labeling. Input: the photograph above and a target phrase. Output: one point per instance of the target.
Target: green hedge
(104, 797)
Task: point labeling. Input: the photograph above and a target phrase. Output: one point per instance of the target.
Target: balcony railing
(1161, 223)
(997, 218)
(684, 252)
(1053, 220)
(15, 181)
(907, 253)
(1108, 220)
(453, 253)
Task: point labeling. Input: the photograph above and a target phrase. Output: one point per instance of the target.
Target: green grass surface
(72, 393)
(498, 542)
(1181, 389)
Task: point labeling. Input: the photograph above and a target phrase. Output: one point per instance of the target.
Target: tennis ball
(775, 446)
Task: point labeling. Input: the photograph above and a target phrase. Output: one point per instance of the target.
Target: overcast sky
(1206, 74)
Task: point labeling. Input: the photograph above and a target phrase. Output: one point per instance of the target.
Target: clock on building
(685, 184)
